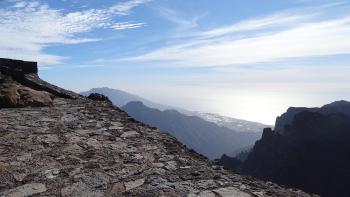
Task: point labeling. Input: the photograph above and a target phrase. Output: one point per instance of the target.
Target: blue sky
(246, 59)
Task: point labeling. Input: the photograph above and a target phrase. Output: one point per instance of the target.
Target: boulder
(13, 94)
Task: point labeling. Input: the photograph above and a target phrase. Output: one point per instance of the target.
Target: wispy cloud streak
(272, 38)
(127, 25)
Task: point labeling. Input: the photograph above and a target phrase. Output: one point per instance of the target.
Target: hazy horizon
(244, 59)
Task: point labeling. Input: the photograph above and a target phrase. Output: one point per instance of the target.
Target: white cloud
(293, 36)
(124, 8)
(28, 27)
(174, 17)
(20, 4)
(256, 24)
(127, 25)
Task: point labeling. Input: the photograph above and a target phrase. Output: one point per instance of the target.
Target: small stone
(75, 171)
(158, 165)
(79, 189)
(171, 165)
(206, 194)
(204, 184)
(161, 183)
(129, 134)
(96, 180)
(117, 187)
(243, 187)
(52, 173)
(3, 166)
(134, 184)
(115, 128)
(94, 143)
(117, 124)
(19, 176)
(48, 139)
(259, 194)
(25, 190)
(73, 149)
(24, 157)
(137, 156)
(231, 192)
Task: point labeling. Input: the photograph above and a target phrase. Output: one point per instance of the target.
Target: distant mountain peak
(341, 103)
(136, 103)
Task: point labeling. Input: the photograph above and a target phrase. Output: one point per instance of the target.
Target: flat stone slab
(231, 192)
(134, 184)
(25, 190)
(129, 134)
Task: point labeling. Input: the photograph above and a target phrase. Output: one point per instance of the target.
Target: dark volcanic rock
(229, 162)
(17, 68)
(26, 73)
(312, 154)
(80, 147)
(287, 118)
(98, 97)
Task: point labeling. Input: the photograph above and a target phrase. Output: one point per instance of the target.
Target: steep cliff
(83, 147)
(312, 153)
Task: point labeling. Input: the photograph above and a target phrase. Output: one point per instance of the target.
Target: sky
(247, 59)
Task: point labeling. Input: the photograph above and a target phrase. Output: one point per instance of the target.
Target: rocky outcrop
(98, 97)
(13, 94)
(80, 147)
(26, 73)
(312, 154)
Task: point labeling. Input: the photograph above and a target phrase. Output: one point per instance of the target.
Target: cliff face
(312, 154)
(81, 147)
(26, 74)
(287, 118)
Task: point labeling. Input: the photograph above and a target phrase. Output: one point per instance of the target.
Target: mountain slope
(203, 136)
(121, 98)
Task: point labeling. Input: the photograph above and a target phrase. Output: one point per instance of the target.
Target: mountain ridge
(203, 136)
(121, 98)
(287, 117)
